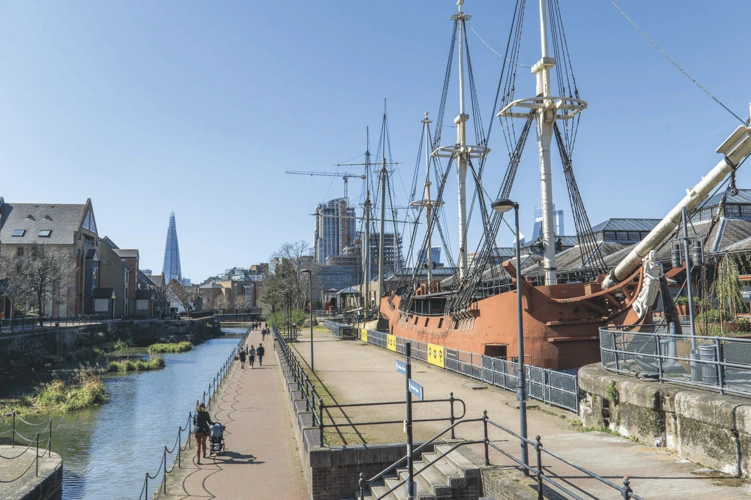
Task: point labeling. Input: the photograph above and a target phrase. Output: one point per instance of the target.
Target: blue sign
(415, 389)
(401, 367)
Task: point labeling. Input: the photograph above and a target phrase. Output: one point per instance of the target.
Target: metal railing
(723, 363)
(549, 386)
(314, 402)
(31, 444)
(304, 385)
(34, 323)
(544, 475)
(207, 397)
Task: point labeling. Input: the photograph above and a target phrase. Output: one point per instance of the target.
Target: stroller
(216, 438)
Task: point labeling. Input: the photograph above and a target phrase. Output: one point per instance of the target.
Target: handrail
(211, 393)
(537, 470)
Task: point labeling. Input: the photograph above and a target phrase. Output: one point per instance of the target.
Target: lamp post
(286, 311)
(9, 293)
(502, 206)
(310, 282)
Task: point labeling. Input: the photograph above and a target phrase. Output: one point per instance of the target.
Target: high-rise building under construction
(334, 230)
(171, 268)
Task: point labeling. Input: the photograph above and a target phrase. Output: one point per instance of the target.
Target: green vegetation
(136, 365)
(84, 390)
(714, 316)
(170, 348)
(279, 318)
(120, 345)
(612, 393)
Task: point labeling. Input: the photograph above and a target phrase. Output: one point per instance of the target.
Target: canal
(107, 450)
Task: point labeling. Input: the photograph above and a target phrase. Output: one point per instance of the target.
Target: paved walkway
(261, 461)
(353, 371)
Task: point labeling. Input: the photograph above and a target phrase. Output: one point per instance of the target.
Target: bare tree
(221, 302)
(188, 295)
(37, 275)
(290, 260)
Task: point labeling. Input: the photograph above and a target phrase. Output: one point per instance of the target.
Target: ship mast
(366, 239)
(461, 151)
(383, 177)
(545, 120)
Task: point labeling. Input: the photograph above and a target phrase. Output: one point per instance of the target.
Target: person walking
(242, 358)
(260, 351)
(201, 422)
(251, 355)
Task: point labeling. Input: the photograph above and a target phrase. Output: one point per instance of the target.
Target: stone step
(423, 488)
(452, 475)
(378, 489)
(436, 483)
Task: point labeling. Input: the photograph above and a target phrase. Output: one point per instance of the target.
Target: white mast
(545, 120)
(461, 141)
(384, 174)
(461, 151)
(547, 110)
(366, 239)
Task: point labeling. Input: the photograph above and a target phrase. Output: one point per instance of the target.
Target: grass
(170, 348)
(84, 390)
(136, 365)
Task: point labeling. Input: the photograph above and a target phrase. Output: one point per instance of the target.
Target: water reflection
(107, 450)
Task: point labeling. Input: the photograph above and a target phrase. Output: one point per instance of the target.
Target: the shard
(171, 268)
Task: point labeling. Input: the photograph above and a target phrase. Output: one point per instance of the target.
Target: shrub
(713, 316)
(136, 365)
(612, 393)
(119, 345)
(84, 390)
(170, 348)
(743, 324)
(681, 301)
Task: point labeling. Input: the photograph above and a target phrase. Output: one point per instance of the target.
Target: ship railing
(553, 481)
(552, 387)
(721, 363)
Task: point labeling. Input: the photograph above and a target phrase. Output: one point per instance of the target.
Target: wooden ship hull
(561, 322)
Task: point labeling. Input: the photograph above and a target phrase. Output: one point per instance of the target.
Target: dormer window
(45, 233)
(18, 233)
(30, 217)
(47, 217)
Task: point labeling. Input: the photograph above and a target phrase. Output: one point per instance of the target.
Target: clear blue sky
(200, 107)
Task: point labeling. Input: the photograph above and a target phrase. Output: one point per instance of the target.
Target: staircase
(451, 477)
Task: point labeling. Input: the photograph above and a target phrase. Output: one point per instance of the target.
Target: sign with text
(746, 294)
(415, 389)
(391, 342)
(401, 367)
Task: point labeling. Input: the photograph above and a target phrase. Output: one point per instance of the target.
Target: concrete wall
(702, 426)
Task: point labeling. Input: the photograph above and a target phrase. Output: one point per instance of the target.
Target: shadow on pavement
(231, 457)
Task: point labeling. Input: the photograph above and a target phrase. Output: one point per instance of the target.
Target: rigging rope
(702, 87)
(491, 48)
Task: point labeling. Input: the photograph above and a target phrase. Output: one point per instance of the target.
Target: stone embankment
(42, 483)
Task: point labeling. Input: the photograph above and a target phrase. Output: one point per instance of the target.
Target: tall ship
(475, 310)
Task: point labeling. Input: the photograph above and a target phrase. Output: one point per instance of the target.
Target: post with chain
(361, 482)
(452, 418)
(538, 448)
(146, 487)
(49, 451)
(179, 447)
(320, 419)
(164, 476)
(13, 434)
(485, 434)
(190, 421)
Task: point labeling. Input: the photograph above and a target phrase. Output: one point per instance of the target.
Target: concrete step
(456, 458)
(452, 475)
(378, 489)
(424, 491)
(435, 482)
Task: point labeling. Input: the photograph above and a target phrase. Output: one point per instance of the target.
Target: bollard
(50, 447)
(538, 448)
(146, 487)
(626, 491)
(485, 433)
(13, 435)
(361, 482)
(452, 419)
(179, 447)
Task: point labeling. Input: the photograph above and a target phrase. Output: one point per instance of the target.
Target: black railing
(304, 385)
(207, 398)
(543, 474)
(31, 444)
(34, 323)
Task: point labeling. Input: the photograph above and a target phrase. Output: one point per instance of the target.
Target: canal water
(107, 450)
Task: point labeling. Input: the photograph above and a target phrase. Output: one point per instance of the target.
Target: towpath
(261, 460)
(353, 372)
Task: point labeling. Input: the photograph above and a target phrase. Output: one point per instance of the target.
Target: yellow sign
(437, 355)
(364, 335)
(391, 342)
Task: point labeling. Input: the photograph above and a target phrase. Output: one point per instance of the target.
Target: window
(621, 235)
(746, 211)
(47, 217)
(633, 235)
(17, 233)
(30, 217)
(609, 235)
(19, 251)
(732, 211)
(45, 233)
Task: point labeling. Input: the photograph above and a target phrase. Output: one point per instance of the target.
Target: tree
(188, 295)
(221, 302)
(37, 275)
(290, 260)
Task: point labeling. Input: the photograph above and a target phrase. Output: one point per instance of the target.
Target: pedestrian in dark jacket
(251, 356)
(201, 422)
(260, 351)
(242, 358)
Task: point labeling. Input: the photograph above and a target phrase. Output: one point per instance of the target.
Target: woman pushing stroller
(201, 422)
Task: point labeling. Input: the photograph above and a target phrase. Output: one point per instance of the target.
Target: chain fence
(29, 444)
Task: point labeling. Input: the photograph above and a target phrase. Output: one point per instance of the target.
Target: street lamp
(9, 293)
(286, 307)
(502, 206)
(310, 281)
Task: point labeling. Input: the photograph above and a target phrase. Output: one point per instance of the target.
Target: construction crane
(345, 176)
